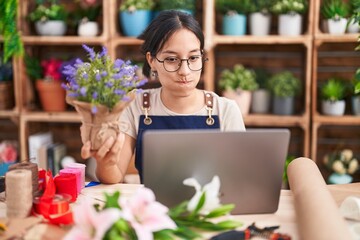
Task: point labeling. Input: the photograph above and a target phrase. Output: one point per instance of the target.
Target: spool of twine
(34, 174)
(18, 192)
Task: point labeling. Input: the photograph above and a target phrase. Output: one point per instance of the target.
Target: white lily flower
(211, 190)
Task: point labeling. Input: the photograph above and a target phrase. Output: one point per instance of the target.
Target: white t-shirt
(228, 111)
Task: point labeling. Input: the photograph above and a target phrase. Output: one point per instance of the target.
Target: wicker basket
(6, 95)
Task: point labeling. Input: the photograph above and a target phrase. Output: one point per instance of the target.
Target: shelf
(126, 41)
(275, 120)
(329, 38)
(51, 116)
(63, 40)
(337, 120)
(272, 39)
(8, 113)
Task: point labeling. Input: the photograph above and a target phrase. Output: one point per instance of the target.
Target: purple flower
(95, 95)
(119, 92)
(90, 51)
(83, 91)
(104, 73)
(85, 75)
(94, 109)
(109, 84)
(97, 77)
(118, 63)
(104, 52)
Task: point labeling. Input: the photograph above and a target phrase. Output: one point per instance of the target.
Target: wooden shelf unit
(333, 55)
(306, 122)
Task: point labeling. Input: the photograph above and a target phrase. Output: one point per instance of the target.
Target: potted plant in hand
(187, 6)
(85, 17)
(290, 14)
(284, 86)
(49, 18)
(47, 77)
(234, 16)
(260, 17)
(333, 93)
(335, 13)
(343, 164)
(237, 84)
(100, 90)
(135, 16)
(261, 97)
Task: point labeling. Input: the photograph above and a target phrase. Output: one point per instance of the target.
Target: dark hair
(161, 29)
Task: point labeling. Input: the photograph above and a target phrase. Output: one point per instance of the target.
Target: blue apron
(171, 122)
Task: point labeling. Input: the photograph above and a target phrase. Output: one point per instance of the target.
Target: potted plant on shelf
(353, 25)
(333, 93)
(342, 164)
(237, 84)
(335, 13)
(6, 85)
(47, 77)
(355, 93)
(234, 16)
(187, 6)
(49, 18)
(261, 97)
(290, 15)
(260, 17)
(135, 16)
(85, 17)
(284, 87)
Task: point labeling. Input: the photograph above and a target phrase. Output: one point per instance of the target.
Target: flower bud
(347, 154)
(353, 166)
(338, 167)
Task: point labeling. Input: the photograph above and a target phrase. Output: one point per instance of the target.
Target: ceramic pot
(241, 97)
(283, 105)
(234, 24)
(355, 105)
(290, 24)
(260, 102)
(260, 24)
(134, 23)
(337, 27)
(333, 108)
(50, 28)
(88, 29)
(336, 178)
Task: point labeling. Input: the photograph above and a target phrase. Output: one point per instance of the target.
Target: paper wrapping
(318, 216)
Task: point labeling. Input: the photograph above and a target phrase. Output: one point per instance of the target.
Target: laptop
(250, 165)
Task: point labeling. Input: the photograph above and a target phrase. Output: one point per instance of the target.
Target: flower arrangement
(341, 162)
(48, 69)
(101, 81)
(8, 152)
(142, 217)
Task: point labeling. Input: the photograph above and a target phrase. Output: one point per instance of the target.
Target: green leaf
(199, 205)
(166, 234)
(186, 233)
(112, 200)
(220, 211)
(178, 210)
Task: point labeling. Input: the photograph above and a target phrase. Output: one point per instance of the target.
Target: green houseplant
(284, 86)
(237, 84)
(333, 93)
(261, 97)
(335, 13)
(290, 14)
(85, 18)
(234, 16)
(183, 5)
(49, 17)
(135, 16)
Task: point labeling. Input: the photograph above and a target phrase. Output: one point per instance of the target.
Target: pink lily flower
(145, 214)
(89, 224)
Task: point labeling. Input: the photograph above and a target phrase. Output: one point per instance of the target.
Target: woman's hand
(107, 159)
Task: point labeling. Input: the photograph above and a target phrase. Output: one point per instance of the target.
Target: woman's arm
(112, 158)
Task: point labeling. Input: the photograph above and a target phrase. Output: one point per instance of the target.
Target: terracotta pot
(52, 95)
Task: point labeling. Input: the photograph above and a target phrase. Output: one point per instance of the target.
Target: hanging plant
(8, 29)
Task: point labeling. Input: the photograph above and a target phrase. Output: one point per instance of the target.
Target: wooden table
(285, 217)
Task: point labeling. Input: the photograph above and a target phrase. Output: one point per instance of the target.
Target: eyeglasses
(173, 64)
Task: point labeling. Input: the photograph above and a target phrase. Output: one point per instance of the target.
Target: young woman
(174, 53)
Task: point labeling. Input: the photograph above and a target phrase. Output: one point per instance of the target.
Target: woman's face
(183, 44)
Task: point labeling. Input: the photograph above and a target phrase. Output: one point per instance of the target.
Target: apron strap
(209, 101)
(146, 108)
